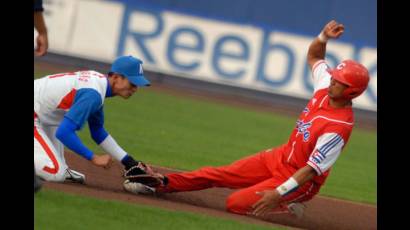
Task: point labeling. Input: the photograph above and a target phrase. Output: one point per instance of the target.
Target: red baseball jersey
(321, 131)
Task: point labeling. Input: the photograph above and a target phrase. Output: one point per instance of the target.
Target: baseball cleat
(138, 188)
(74, 176)
(297, 209)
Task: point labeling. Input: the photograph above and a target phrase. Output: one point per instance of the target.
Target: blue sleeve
(96, 125)
(66, 134)
(86, 102)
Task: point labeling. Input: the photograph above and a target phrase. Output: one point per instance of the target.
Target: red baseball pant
(258, 172)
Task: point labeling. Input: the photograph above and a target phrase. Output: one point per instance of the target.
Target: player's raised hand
(102, 160)
(333, 29)
(42, 45)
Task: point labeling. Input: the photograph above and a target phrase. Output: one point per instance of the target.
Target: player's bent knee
(59, 177)
(235, 205)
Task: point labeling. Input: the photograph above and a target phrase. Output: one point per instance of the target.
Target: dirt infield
(320, 213)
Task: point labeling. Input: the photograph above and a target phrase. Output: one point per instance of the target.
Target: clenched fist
(102, 160)
(333, 29)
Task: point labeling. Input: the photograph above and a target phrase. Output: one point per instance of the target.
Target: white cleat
(138, 188)
(297, 209)
(74, 176)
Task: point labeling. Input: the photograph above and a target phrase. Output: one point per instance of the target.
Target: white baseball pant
(49, 158)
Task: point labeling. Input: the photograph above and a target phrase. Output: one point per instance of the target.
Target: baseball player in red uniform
(278, 178)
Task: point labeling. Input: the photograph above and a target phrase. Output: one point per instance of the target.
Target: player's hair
(112, 73)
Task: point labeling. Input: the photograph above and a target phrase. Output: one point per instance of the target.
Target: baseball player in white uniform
(64, 102)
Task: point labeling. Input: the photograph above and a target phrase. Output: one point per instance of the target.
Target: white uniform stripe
(320, 106)
(291, 152)
(329, 119)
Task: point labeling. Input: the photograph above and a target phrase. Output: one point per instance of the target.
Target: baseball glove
(142, 173)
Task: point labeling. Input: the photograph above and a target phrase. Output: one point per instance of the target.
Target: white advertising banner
(195, 47)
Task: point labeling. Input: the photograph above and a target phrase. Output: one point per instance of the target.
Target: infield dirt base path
(320, 213)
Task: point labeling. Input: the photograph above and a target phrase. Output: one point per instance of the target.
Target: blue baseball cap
(131, 68)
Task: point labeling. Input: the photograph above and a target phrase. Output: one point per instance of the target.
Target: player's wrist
(322, 37)
(128, 162)
(93, 158)
(287, 187)
(89, 155)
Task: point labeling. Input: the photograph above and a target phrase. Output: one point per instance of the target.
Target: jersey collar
(326, 105)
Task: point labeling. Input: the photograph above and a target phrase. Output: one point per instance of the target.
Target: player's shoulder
(343, 130)
(96, 74)
(336, 119)
(92, 80)
(91, 77)
(341, 122)
(89, 96)
(320, 93)
(90, 73)
(338, 116)
(318, 96)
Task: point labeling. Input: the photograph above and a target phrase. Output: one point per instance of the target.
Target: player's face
(336, 89)
(123, 87)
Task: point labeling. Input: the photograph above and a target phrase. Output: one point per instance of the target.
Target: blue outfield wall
(294, 17)
(258, 45)
(300, 16)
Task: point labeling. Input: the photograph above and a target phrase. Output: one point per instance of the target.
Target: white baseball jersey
(54, 94)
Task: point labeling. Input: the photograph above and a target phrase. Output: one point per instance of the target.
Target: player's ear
(116, 76)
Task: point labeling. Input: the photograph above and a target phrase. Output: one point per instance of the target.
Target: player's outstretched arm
(317, 48)
(272, 198)
(66, 134)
